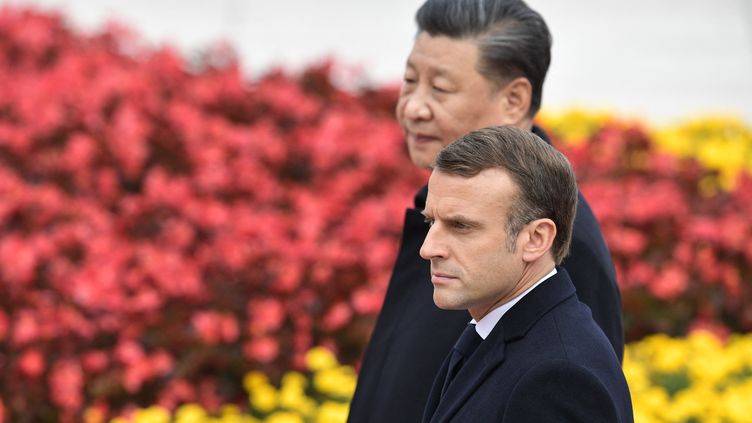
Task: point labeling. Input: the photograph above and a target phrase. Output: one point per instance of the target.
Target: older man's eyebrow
(445, 71)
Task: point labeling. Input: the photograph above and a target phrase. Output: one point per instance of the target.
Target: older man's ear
(515, 99)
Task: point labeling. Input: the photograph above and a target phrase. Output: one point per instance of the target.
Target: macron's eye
(460, 225)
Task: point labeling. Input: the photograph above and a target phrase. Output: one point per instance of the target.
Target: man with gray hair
(500, 207)
(474, 64)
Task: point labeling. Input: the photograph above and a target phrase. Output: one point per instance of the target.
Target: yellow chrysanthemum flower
(575, 125)
(153, 414)
(320, 358)
(190, 413)
(332, 412)
(284, 417)
(264, 398)
(294, 379)
(338, 381)
(254, 379)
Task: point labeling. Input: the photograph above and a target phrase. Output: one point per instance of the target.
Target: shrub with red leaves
(681, 245)
(164, 227)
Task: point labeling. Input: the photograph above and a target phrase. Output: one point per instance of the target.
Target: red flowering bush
(681, 244)
(166, 226)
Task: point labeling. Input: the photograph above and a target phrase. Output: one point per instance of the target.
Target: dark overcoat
(545, 361)
(412, 336)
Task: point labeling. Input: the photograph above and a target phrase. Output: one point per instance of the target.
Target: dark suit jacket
(412, 336)
(545, 361)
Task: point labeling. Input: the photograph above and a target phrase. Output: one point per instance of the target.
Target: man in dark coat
(501, 205)
(474, 64)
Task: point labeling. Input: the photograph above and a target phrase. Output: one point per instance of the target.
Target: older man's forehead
(441, 53)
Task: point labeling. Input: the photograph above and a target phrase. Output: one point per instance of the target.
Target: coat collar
(535, 304)
(537, 130)
(420, 198)
(490, 353)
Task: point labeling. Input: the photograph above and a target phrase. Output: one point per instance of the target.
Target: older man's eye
(441, 90)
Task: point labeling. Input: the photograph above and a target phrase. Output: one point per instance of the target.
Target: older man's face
(444, 97)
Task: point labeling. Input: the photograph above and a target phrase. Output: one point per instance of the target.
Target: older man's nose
(416, 107)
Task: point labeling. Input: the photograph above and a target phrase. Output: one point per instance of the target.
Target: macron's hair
(545, 182)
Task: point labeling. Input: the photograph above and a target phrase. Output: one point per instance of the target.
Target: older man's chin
(423, 156)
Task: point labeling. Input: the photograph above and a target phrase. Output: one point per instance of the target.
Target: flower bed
(678, 231)
(166, 225)
(719, 143)
(700, 378)
(697, 379)
(162, 230)
(320, 395)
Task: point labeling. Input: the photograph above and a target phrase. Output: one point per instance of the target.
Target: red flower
(337, 316)
(206, 324)
(265, 316)
(670, 282)
(19, 260)
(26, 328)
(66, 384)
(32, 363)
(95, 361)
(4, 325)
(263, 349)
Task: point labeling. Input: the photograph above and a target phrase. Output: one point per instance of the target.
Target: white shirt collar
(489, 321)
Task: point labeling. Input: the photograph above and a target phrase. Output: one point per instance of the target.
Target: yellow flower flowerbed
(690, 380)
(720, 143)
(322, 395)
(696, 379)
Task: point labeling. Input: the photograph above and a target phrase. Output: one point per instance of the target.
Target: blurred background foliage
(178, 244)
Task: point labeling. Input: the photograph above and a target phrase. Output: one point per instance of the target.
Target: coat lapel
(488, 356)
(434, 396)
(490, 353)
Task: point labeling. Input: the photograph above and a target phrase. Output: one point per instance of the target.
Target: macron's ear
(516, 98)
(539, 238)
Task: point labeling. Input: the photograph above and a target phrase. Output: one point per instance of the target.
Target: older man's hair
(545, 181)
(512, 38)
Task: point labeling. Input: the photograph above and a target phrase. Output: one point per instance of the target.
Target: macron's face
(444, 97)
(471, 265)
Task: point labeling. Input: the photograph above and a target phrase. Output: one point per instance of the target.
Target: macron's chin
(444, 300)
(439, 301)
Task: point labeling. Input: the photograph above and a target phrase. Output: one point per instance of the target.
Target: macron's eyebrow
(462, 219)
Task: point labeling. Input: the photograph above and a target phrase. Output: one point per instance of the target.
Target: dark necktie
(466, 344)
